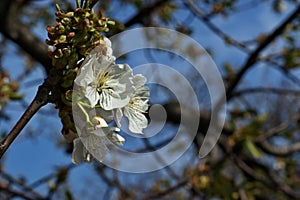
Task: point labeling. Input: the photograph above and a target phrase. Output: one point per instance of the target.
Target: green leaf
(252, 149)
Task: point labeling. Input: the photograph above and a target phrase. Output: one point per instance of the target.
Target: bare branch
(111, 181)
(214, 28)
(39, 101)
(273, 180)
(6, 189)
(279, 150)
(279, 91)
(12, 28)
(42, 98)
(145, 13)
(252, 59)
(282, 69)
(277, 129)
(50, 176)
(167, 191)
(20, 184)
(158, 158)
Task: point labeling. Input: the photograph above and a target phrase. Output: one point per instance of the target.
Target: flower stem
(87, 117)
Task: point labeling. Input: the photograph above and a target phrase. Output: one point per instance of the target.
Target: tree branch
(214, 28)
(167, 191)
(112, 181)
(12, 28)
(254, 55)
(272, 180)
(42, 98)
(276, 129)
(14, 193)
(39, 101)
(145, 12)
(20, 184)
(279, 91)
(279, 150)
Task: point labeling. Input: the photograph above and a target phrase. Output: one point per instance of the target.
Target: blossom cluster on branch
(103, 93)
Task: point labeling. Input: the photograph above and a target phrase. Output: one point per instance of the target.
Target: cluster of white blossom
(111, 91)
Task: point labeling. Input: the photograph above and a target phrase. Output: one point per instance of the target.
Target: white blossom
(111, 91)
(92, 143)
(137, 106)
(85, 148)
(103, 81)
(109, 132)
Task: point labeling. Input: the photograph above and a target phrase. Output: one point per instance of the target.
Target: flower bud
(62, 38)
(99, 122)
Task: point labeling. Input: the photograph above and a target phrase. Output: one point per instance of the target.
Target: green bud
(69, 14)
(66, 21)
(60, 29)
(110, 22)
(50, 29)
(62, 38)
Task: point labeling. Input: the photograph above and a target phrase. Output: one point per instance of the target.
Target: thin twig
(282, 69)
(281, 151)
(167, 191)
(159, 159)
(14, 193)
(13, 28)
(276, 130)
(20, 184)
(272, 180)
(42, 98)
(145, 12)
(39, 101)
(111, 181)
(205, 19)
(279, 91)
(50, 176)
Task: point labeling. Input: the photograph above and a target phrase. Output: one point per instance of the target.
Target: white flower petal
(106, 41)
(118, 114)
(100, 122)
(95, 145)
(92, 95)
(109, 100)
(103, 54)
(143, 93)
(86, 74)
(139, 80)
(137, 121)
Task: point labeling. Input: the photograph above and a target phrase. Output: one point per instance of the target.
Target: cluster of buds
(75, 34)
(8, 90)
